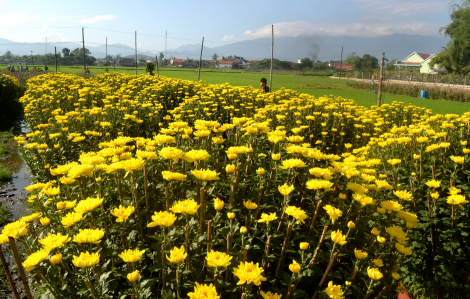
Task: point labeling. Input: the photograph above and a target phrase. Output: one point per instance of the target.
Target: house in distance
(417, 61)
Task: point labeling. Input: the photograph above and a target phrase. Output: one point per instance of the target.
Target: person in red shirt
(264, 88)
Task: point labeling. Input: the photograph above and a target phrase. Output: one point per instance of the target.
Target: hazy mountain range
(324, 48)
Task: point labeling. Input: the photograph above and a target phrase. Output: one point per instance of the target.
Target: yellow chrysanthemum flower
(292, 163)
(171, 153)
(398, 233)
(131, 256)
(35, 258)
(177, 255)
(188, 206)
(249, 273)
(250, 205)
(391, 205)
(333, 212)
(53, 241)
(433, 184)
(31, 217)
(87, 235)
(456, 199)
(268, 217)
(360, 254)
(374, 273)
(338, 237)
(122, 213)
(173, 176)
(404, 195)
(218, 204)
(162, 219)
(204, 291)
(87, 205)
(71, 218)
(402, 249)
(270, 295)
(334, 291)
(86, 259)
(205, 175)
(218, 259)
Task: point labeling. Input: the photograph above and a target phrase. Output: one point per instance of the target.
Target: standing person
(264, 88)
(9, 67)
(20, 67)
(46, 68)
(27, 69)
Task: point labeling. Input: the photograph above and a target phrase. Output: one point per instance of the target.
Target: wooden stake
(8, 274)
(16, 255)
(209, 234)
(201, 220)
(379, 97)
(284, 245)
(272, 53)
(55, 56)
(200, 61)
(136, 52)
(156, 62)
(341, 64)
(328, 268)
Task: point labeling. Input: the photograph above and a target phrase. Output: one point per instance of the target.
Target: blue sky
(220, 22)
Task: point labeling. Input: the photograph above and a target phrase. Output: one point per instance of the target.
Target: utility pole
(200, 60)
(83, 41)
(156, 61)
(106, 57)
(272, 53)
(379, 97)
(136, 52)
(165, 47)
(32, 58)
(55, 55)
(46, 45)
(341, 63)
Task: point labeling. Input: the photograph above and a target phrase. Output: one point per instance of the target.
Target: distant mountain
(324, 48)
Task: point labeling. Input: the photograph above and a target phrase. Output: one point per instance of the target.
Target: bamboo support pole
(8, 274)
(16, 255)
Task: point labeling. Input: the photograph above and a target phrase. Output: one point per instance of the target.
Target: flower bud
(99, 179)
(45, 221)
(381, 210)
(381, 239)
(133, 276)
(396, 276)
(260, 171)
(351, 224)
(276, 157)
(342, 196)
(230, 215)
(218, 204)
(243, 230)
(230, 168)
(55, 259)
(294, 267)
(304, 245)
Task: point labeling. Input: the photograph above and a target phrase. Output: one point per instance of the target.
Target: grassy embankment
(313, 85)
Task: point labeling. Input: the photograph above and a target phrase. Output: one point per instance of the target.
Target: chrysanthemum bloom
(398, 233)
(375, 231)
(53, 241)
(35, 258)
(162, 219)
(171, 153)
(250, 205)
(458, 159)
(71, 218)
(316, 184)
(249, 273)
(267, 217)
(334, 291)
(270, 295)
(243, 230)
(87, 235)
(374, 273)
(391, 205)
(122, 213)
(342, 196)
(381, 210)
(325, 173)
(378, 262)
(294, 267)
(33, 187)
(45, 221)
(338, 237)
(237, 150)
(52, 191)
(204, 291)
(173, 176)
(297, 213)
(196, 155)
(87, 205)
(396, 276)
(276, 157)
(260, 171)
(433, 184)
(218, 140)
(383, 184)
(402, 249)
(394, 161)
(218, 259)
(404, 195)
(55, 259)
(456, 199)
(131, 256)
(304, 245)
(408, 217)
(177, 255)
(360, 254)
(188, 206)
(31, 217)
(133, 276)
(357, 188)
(285, 189)
(230, 168)
(232, 156)
(205, 175)
(435, 195)
(351, 224)
(333, 212)
(292, 163)
(381, 239)
(86, 259)
(230, 215)
(218, 204)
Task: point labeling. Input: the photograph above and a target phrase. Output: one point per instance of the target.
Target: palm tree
(454, 58)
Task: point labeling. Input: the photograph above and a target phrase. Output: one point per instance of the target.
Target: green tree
(66, 52)
(391, 65)
(305, 63)
(160, 57)
(351, 59)
(215, 56)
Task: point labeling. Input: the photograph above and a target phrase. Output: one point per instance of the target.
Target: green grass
(314, 85)
(5, 175)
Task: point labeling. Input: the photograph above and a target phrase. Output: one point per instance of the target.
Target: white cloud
(97, 19)
(14, 19)
(403, 7)
(228, 38)
(370, 29)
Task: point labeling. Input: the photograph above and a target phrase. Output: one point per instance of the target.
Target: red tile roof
(226, 62)
(338, 66)
(178, 60)
(424, 56)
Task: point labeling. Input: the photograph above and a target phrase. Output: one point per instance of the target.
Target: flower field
(161, 188)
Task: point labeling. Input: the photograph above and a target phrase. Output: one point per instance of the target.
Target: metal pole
(136, 52)
(156, 61)
(200, 60)
(341, 63)
(272, 53)
(55, 55)
(83, 41)
(379, 97)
